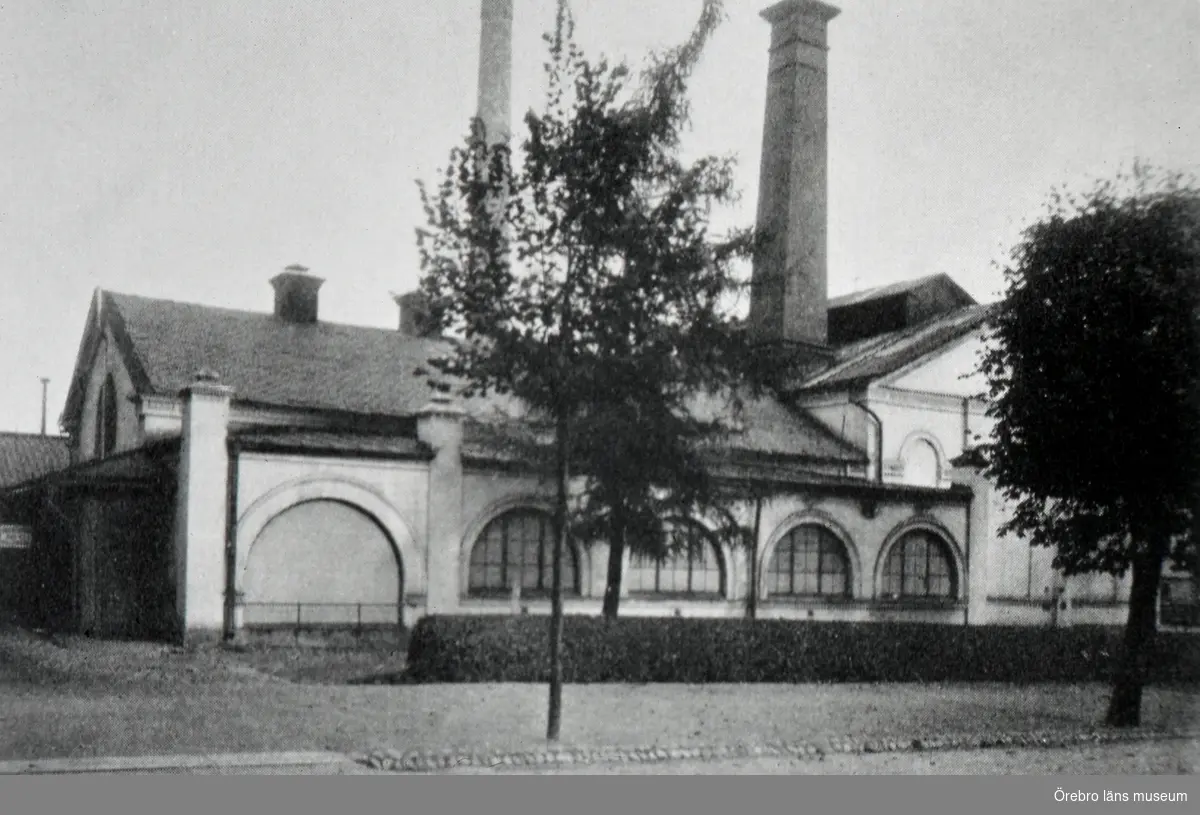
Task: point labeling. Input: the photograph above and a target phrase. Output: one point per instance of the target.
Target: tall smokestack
(495, 69)
(790, 279)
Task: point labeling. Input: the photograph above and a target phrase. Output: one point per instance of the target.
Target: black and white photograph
(602, 387)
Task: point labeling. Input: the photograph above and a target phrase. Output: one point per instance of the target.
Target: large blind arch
(328, 556)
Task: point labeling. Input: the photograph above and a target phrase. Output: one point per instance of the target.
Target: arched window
(809, 561)
(106, 419)
(921, 465)
(696, 570)
(519, 545)
(920, 565)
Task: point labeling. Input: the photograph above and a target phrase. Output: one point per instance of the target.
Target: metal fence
(357, 616)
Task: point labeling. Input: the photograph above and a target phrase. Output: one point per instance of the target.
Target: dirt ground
(77, 698)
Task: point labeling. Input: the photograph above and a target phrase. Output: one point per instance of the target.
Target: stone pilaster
(440, 425)
(984, 520)
(201, 510)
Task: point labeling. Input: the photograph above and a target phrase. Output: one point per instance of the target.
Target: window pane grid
(809, 561)
(519, 546)
(919, 566)
(694, 571)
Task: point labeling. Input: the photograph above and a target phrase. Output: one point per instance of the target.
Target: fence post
(359, 628)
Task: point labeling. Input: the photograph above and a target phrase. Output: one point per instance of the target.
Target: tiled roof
(268, 361)
(892, 289)
(782, 476)
(765, 427)
(768, 426)
(354, 369)
(358, 370)
(879, 356)
(153, 462)
(25, 456)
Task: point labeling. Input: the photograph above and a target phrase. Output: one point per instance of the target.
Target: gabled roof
(942, 280)
(266, 360)
(25, 456)
(870, 359)
(348, 369)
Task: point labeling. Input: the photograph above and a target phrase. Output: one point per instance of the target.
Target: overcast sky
(191, 150)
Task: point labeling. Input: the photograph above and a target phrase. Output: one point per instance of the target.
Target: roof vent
(296, 294)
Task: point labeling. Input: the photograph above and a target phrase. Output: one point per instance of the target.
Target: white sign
(13, 536)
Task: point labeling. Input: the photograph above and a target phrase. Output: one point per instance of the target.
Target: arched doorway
(322, 562)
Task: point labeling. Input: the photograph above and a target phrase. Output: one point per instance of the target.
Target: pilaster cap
(206, 382)
(441, 406)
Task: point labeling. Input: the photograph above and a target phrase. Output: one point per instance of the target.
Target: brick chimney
(788, 297)
(296, 294)
(414, 314)
(495, 69)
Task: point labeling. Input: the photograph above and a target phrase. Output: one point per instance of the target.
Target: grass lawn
(90, 698)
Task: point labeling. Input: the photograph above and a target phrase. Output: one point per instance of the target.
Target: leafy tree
(580, 277)
(1093, 373)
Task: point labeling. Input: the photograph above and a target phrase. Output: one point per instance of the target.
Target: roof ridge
(265, 315)
(959, 318)
(918, 327)
(905, 282)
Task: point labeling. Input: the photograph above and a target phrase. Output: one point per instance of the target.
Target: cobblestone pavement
(1168, 757)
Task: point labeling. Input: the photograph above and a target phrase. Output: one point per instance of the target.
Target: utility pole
(45, 382)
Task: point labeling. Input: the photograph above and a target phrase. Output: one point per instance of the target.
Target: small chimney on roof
(414, 314)
(296, 294)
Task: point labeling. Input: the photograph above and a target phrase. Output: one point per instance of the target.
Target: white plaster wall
(910, 418)
(944, 372)
(268, 484)
(868, 534)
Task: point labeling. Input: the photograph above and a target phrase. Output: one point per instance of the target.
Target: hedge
(514, 649)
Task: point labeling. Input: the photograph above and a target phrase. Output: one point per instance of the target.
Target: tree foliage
(579, 274)
(1093, 371)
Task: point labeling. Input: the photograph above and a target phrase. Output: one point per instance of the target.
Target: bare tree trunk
(1125, 704)
(752, 596)
(616, 558)
(554, 718)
